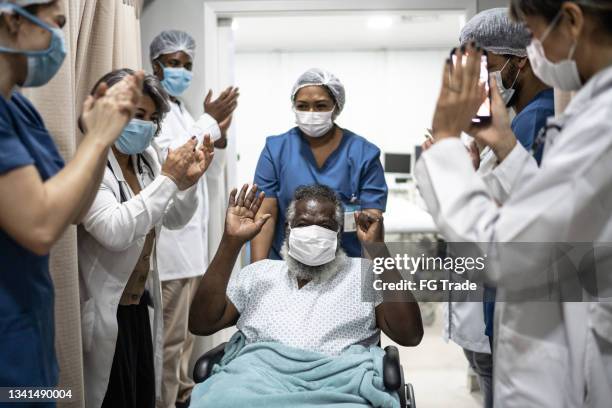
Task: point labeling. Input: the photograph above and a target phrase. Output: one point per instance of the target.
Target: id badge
(349, 217)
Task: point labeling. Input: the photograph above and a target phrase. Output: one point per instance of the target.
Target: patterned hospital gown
(325, 317)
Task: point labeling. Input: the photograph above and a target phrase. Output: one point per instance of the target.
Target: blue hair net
(494, 31)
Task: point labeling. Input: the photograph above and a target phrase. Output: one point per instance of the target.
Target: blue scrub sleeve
(526, 127)
(373, 187)
(266, 174)
(13, 154)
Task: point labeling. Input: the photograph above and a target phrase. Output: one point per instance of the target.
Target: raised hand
(370, 229)
(240, 224)
(497, 134)
(224, 106)
(106, 113)
(461, 95)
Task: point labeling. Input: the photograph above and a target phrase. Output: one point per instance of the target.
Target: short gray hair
(151, 87)
(318, 192)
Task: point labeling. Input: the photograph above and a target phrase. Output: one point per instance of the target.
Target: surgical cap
(169, 42)
(318, 77)
(494, 31)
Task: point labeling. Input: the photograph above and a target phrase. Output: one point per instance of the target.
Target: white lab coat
(547, 354)
(464, 321)
(184, 253)
(110, 240)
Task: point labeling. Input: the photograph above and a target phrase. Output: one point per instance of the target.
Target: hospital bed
(393, 372)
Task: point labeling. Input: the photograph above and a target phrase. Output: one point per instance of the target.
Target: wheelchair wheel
(410, 400)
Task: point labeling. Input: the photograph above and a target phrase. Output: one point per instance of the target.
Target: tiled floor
(437, 371)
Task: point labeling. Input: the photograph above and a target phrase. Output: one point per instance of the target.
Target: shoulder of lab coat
(117, 225)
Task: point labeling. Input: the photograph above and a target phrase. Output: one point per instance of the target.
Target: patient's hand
(370, 228)
(240, 224)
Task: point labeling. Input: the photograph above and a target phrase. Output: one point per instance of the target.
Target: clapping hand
(203, 156)
(240, 223)
(224, 106)
(108, 110)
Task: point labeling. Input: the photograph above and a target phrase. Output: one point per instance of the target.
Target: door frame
(215, 9)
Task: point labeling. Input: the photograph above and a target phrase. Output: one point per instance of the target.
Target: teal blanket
(272, 375)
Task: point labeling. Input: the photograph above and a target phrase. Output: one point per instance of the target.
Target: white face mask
(313, 245)
(314, 124)
(506, 93)
(562, 75)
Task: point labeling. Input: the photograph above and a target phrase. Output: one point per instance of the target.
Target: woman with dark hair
(40, 195)
(551, 353)
(117, 267)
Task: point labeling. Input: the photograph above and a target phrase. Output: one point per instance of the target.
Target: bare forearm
(400, 309)
(210, 302)
(74, 186)
(93, 187)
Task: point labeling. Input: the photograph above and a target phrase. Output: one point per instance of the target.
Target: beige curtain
(101, 35)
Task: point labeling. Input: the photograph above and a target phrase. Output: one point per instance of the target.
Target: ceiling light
(380, 22)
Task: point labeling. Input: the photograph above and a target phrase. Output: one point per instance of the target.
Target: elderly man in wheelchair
(308, 326)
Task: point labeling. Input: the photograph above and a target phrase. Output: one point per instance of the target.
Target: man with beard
(311, 300)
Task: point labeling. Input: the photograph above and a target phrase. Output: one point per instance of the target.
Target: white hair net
(494, 31)
(319, 77)
(171, 41)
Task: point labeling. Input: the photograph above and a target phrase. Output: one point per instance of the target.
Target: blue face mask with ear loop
(43, 64)
(176, 80)
(136, 137)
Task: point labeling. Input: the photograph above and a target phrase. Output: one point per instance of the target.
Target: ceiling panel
(356, 31)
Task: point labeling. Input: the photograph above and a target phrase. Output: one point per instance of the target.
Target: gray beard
(316, 274)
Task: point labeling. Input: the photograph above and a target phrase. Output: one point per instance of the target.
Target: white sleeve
(563, 201)
(182, 208)
(238, 287)
(519, 165)
(206, 125)
(117, 226)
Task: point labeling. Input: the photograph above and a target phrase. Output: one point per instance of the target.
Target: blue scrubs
(526, 126)
(27, 352)
(353, 170)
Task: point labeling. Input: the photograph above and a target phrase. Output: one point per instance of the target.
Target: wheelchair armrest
(203, 367)
(392, 371)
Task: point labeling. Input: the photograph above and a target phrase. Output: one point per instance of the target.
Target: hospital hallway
(438, 371)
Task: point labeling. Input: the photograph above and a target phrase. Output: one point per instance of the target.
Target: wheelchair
(393, 373)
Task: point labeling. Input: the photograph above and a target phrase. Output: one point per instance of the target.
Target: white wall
(390, 96)
(186, 15)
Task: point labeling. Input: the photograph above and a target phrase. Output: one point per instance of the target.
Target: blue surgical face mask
(43, 64)
(176, 80)
(136, 137)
